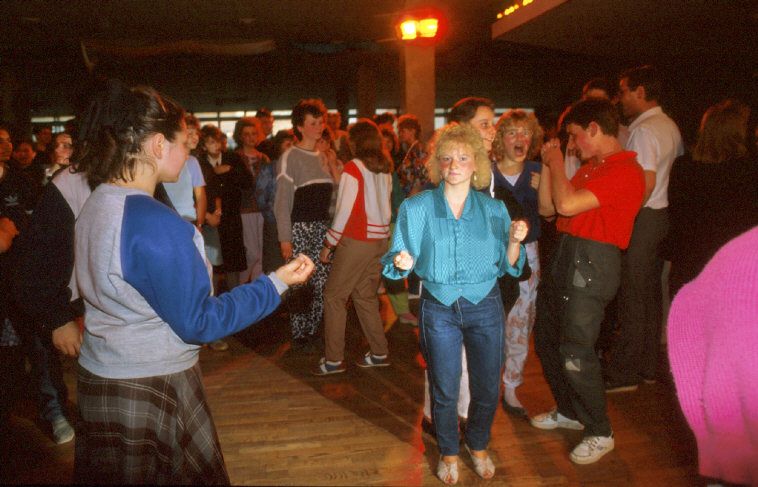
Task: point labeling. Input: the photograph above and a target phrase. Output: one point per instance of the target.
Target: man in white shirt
(657, 141)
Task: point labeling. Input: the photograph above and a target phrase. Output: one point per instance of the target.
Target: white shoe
(62, 431)
(592, 449)
(553, 419)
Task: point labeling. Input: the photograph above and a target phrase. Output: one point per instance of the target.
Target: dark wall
(512, 75)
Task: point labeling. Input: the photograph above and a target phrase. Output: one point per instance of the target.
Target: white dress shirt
(657, 141)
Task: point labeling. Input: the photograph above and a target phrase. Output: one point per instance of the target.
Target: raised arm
(567, 200)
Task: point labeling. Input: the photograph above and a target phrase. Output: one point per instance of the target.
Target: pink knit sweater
(713, 349)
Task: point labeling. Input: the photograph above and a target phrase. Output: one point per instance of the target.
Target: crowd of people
(135, 237)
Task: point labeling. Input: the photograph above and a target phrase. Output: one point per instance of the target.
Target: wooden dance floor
(279, 425)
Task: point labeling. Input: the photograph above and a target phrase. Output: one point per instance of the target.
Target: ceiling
(40, 28)
(225, 54)
(647, 29)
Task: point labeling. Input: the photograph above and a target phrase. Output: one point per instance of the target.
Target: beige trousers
(355, 273)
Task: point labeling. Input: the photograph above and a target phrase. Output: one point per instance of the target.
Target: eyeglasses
(513, 133)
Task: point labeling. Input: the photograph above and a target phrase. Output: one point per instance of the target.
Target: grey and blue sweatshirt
(142, 274)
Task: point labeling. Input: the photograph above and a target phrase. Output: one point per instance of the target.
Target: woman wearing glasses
(518, 139)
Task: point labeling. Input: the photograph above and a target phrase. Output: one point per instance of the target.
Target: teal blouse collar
(442, 209)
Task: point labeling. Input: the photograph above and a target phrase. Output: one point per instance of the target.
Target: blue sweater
(454, 258)
(525, 195)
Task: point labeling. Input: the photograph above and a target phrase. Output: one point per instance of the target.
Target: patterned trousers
(520, 321)
(306, 302)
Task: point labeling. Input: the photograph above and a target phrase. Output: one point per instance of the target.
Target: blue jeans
(443, 331)
(48, 376)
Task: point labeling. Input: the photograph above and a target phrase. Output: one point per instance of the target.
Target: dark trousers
(47, 373)
(582, 278)
(272, 252)
(634, 356)
(12, 379)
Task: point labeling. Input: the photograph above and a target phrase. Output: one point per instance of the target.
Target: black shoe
(515, 411)
(428, 427)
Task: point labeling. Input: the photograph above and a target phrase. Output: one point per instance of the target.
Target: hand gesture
(535, 180)
(325, 256)
(296, 271)
(518, 231)
(68, 338)
(403, 260)
(551, 153)
(286, 248)
(213, 219)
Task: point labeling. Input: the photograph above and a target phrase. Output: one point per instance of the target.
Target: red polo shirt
(618, 183)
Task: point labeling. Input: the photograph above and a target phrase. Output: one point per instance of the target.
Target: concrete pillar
(419, 90)
(366, 85)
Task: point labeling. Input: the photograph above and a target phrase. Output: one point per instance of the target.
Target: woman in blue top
(459, 242)
(517, 140)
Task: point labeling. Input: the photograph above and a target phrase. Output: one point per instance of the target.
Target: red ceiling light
(421, 26)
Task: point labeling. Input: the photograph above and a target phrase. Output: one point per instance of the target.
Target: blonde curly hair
(464, 134)
(511, 119)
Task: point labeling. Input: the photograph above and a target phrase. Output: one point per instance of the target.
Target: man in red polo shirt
(596, 212)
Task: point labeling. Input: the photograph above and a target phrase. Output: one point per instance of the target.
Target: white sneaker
(62, 431)
(592, 449)
(553, 419)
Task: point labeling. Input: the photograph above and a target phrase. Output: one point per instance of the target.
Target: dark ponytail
(116, 123)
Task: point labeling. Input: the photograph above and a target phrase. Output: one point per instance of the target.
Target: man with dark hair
(385, 119)
(266, 145)
(657, 141)
(596, 211)
(596, 88)
(465, 108)
(43, 136)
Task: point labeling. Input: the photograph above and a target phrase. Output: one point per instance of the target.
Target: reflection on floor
(279, 425)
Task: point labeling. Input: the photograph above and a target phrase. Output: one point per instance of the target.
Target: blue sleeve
(160, 260)
(193, 165)
(505, 267)
(400, 241)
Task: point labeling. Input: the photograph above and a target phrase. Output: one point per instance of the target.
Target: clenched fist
(403, 260)
(518, 231)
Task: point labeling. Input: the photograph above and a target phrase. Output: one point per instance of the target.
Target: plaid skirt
(153, 430)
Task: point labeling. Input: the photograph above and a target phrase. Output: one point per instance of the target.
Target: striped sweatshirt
(363, 205)
(303, 191)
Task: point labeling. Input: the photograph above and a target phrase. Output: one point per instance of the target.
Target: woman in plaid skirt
(144, 278)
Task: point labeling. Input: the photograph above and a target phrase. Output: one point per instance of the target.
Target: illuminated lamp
(427, 27)
(421, 26)
(408, 30)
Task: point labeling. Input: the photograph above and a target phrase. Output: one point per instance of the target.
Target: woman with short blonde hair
(455, 133)
(459, 242)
